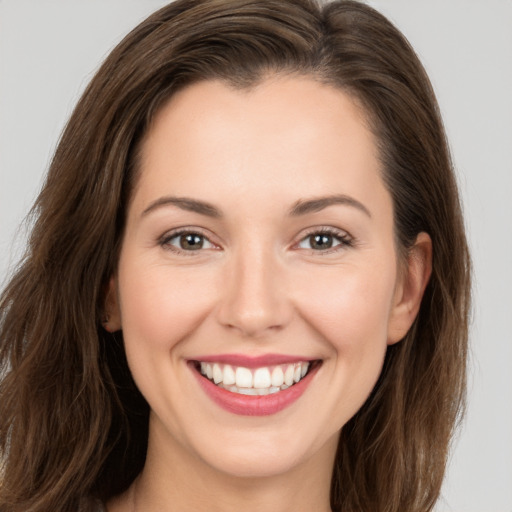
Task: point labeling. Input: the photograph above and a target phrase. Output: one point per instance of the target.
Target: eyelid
(345, 238)
(164, 239)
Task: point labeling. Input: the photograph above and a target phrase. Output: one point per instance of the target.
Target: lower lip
(247, 405)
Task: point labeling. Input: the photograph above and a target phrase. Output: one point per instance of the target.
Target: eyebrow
(185, 203)
(303, 207)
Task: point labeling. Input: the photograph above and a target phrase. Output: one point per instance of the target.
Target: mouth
(254, 389)
(261, 381)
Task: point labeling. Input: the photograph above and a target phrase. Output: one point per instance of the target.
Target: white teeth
(217, 373)
(258, 382)
(277, 376)
(229, 376)
(243, 377)
(248, 391)
(288, 375)
(254, 391)
(296, 373)
(262, 378)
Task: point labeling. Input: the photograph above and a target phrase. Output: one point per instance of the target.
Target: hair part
(72, 422)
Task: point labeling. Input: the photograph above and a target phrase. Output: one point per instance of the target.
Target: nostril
(255, 322)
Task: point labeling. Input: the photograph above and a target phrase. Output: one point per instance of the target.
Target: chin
(264, 453)
(257, 461)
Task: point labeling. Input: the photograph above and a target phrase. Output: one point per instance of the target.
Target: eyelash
(165, 240)
(344, 239)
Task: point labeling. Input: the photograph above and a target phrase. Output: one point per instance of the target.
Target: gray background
(49, 50)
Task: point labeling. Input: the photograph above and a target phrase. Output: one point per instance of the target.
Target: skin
(257, 286)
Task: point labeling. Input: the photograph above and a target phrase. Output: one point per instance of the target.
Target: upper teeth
(264, 378)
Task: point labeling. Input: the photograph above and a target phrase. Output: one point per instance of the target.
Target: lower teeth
(254, 391)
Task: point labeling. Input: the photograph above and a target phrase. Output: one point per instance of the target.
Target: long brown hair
(72, 423)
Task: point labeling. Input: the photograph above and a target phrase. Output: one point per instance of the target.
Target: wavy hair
(72, 422)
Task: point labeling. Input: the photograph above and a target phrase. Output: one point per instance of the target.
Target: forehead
(287, 136)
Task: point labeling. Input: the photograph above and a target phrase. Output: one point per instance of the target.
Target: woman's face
(259, 251)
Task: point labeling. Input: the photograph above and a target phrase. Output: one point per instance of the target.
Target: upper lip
(252, 361)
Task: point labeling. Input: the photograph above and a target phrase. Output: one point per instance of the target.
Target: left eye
(188, 241)
(323, 241)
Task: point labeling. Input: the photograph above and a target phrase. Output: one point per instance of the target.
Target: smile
(257, 386)
(257, 381)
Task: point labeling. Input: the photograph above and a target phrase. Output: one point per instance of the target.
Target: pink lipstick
(290, 378)
(252, 361)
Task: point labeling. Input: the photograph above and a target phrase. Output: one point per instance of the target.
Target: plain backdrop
(49, 49)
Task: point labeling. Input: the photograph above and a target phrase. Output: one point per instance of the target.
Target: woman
(248, 281)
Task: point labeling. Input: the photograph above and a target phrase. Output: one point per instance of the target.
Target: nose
(254, 295)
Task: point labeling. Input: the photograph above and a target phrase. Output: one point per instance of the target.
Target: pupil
(191, 241)
(321, 241)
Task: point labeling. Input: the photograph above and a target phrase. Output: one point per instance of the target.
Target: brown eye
(320, 241)
(186, 241)
(191, 242)
(325, 240)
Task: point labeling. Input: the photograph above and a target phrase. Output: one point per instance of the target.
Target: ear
(112, 317)
(412, 281)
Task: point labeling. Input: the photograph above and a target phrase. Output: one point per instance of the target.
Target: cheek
(350, 306)
(160, 306)
(350, 311)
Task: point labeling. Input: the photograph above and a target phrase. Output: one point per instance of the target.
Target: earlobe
(411, 287)
(111, 320)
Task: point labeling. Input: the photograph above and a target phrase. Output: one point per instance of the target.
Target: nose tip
(254, 301)
(254, 324)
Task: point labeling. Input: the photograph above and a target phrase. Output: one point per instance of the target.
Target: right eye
(186, 241)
